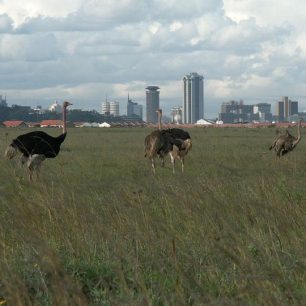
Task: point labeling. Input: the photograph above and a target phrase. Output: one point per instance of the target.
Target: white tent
(104, 124)
(203, 122)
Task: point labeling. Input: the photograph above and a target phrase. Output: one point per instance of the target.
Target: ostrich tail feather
(10, 152)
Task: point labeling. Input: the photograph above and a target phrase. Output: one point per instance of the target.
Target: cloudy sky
(83, 50)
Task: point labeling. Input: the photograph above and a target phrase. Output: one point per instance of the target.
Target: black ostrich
(175, 142)
(36, 146)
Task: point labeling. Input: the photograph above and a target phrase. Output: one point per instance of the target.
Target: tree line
(27, 114)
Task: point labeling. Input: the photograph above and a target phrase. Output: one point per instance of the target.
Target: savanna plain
(98, 228)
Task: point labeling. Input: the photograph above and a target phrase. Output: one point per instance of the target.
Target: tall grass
(98, 228)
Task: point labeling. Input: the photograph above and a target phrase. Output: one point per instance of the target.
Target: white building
(176, 115)
(114, 108)
(263, 110)
(110, 108)
(55, 107)
(105, 108)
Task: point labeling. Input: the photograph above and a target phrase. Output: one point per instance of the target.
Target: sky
(85, 50)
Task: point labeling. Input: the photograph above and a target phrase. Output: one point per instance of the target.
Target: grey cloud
(5, 24)
(113, 45)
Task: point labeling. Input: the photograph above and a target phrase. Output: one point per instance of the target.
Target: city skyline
(81, 50)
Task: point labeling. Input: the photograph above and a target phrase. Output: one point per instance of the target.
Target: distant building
(38, 110)
(110, 108)
(14, 123)
(133, 108)
(177, 115)
(152, 103)
(55, 107)
(263, 110)
(3, 101)
(280, 111)
(193, 97)
(55, 123)
(114, 108)
(105, 108)
(236, 111)
(285, 109)
(52, 123)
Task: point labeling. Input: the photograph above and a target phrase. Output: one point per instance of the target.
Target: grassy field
(98, 228)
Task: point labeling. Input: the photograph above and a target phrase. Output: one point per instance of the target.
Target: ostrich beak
(68, 103)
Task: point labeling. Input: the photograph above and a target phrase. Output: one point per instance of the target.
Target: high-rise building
(133, 108)
(55, 107)
(285, 109)
(193, 100)
(294, 108)
(280, 110)
(105, 108)
(176, 115)
(114, 108)
(3, 101)
(263, 110)
(152, 103)
(110, 108)
(236, 111)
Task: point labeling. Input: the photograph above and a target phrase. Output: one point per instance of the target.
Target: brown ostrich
(175, 142)
(153, 142)
(285, 143)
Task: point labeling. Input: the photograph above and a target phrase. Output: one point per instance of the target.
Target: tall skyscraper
(286, 108)
(114, 108)
(152, 103)
(133, 108)
(193, 100)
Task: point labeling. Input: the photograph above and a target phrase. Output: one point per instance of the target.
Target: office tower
(236, 111)
(152, 103)
(285, 109)
(133, 108)
(263, 110)
(110, 108)
(3, 101)
(176, 115)
(293, 107)
(193, 100)
(280, 110)
(105, 108)
(114, 108)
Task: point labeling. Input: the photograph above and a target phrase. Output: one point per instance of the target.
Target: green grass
(98, 228)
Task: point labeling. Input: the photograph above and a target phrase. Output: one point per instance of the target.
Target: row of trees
(27, 114)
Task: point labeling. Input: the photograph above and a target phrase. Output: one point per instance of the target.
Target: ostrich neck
(64, 120)
(298, 136)
(159, 121)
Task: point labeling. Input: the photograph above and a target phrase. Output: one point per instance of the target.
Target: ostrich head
(187, 144)
(66, 104)
(10, 152)
(159, 111)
